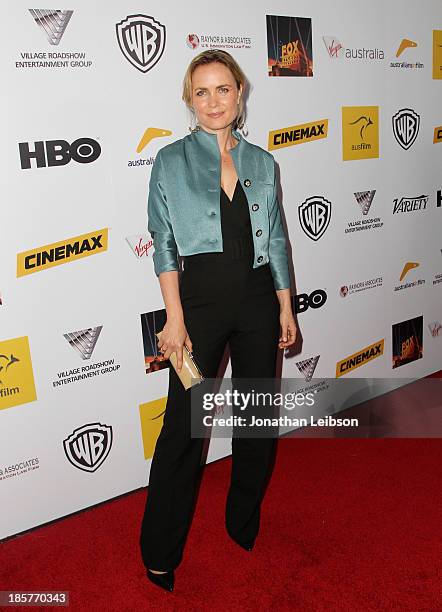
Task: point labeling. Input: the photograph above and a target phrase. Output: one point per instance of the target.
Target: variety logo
(435, 329)
(371, 283)
(304, 301)
(437, 54)
(360, 358)
(410, 204)
(16, 375)
(224, 41)
(65, 251)
(336, 50)
(298, 134)
(406, 127)
(53, 23)
(314, 216)
(404, 46)
(58, 152)
(142, 40)
(84, 341)
(140, 244)
(360, 132)
(87, 447)
(437, 134)
(307, 367)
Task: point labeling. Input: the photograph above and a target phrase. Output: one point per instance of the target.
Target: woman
(213, 201)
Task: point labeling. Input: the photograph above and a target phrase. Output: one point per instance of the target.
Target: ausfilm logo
(52, 24)
(336, 50)
(88, 447)
(406, 51)
(16, 374)
(83, 343)
(142, 40)
(405, 205)
(360, 132)
(205, 40)
(50, 153)
(150, 134)
(358, 287)
(364, 200)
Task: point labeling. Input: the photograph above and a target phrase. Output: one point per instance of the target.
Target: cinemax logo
(58, 152)
(88, 447)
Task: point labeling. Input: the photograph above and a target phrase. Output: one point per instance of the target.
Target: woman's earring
(193, 128)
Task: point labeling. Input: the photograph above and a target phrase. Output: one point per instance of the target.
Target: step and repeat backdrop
(347, 97)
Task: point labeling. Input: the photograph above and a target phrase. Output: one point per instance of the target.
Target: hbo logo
(59, 152)
(316, 299)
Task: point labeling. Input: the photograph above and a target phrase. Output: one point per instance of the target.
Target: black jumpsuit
(224, 300)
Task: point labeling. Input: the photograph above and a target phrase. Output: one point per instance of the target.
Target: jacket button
(255, 207)
(259, 232)
(247, 182)
(211, 213)
(212, 240)
(260, 258)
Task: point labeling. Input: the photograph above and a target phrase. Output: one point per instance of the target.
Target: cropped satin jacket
(184, 202)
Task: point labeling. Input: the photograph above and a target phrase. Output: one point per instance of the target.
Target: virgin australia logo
(314, 216)
(142, 40)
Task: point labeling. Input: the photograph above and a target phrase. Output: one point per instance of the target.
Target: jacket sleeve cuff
(165, 256)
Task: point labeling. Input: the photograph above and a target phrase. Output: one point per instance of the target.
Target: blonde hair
(222, 57)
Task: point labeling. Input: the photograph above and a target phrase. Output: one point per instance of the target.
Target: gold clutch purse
(190, 373)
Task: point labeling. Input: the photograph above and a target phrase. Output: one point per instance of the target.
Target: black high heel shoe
(246, 545)
(165, 580)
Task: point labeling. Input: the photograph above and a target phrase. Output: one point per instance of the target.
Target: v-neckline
(234, 191)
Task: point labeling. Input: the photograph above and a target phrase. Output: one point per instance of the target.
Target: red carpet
(346, 525)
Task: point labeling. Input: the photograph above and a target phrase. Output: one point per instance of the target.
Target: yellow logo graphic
(151, 417)
(360, 132)
(360, 358)
(410, 265)
(405, 44)
(16, 376)
(437, 54)
(149, 135)
(298, 134)
(58, 253)
(437, 134)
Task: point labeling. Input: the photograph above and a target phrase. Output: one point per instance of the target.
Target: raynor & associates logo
(297, 134)
(360, 286)
(16, 374)
(360, 132)
(360, 358)
(218, 41)
(87, 447)
(65, 251)
(52, 24)
(336, 50)
(142, 40)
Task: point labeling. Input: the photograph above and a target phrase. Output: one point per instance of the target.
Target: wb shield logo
(406, 127)
(87, 447)
(314, 216)
(142, 40)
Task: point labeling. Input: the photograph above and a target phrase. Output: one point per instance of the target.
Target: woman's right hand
(173, 337)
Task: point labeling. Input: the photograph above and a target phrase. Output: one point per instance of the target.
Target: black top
(235, 223)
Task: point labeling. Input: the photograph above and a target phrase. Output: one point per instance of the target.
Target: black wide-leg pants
(224, 301)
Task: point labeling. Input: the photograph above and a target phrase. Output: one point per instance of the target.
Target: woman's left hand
(288, 328)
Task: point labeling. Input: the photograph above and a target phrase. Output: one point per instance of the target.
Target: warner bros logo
(88, 447)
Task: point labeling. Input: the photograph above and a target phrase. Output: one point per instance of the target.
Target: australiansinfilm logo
(52, 25)
(142, 40)
(50, 153)
(83, 343)
(87, 447)
(150, 134)
(364, 200)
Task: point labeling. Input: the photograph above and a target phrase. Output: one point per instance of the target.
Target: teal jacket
(184, 202)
